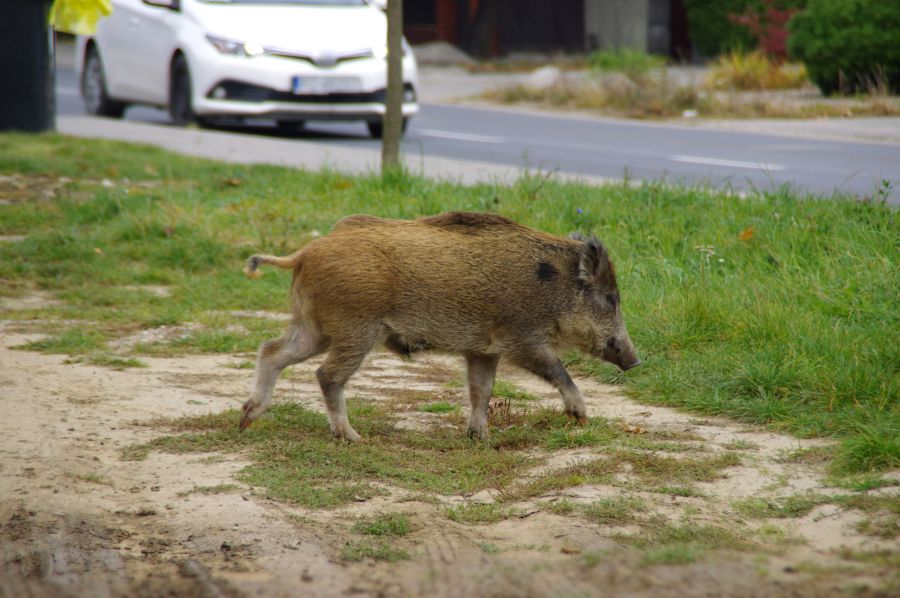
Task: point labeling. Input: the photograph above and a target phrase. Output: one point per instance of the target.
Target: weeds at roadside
(655, 94)
(738, 70)
(632, 63)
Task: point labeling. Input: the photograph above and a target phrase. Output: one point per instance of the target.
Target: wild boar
(475, 284)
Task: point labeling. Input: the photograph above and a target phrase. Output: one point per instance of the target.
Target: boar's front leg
(545, 364)
(482, 368)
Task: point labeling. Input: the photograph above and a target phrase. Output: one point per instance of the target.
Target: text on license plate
(323, 85)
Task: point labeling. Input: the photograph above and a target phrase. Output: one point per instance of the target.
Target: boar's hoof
(578, 415)
(476, 434)
(348, 435)
(251, 410)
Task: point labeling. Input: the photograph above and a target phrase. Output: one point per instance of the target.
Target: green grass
(793, 325)
(392, 524)
(478, 513)
(613, 511)
(92, 477)
(644, 470)
(684, 491)
(296, 460)
(217, 489)
(73, 341)
(741, 445)
(810, 456)
(862, 483)
(487, 547)
(507, 390)
(883, 510)
(107, 360)
(633, 63)
(375, 550)
(683, 543)
(789, 506)
(439, 407)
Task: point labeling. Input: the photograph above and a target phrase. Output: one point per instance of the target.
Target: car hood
(298, 28)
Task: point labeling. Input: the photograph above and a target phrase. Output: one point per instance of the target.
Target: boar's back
(470, 222)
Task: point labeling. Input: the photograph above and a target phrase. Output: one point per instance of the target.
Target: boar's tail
(254, 262)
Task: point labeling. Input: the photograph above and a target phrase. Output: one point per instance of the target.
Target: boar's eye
(613, 299)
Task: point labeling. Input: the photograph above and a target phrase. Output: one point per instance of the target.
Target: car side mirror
(382, 4)
(170, 4)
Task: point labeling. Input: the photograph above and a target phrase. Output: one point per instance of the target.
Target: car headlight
(380, 51)
(235, 48)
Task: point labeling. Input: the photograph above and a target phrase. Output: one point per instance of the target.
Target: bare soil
(77, 520)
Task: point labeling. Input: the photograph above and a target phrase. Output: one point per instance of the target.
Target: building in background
(496, 27)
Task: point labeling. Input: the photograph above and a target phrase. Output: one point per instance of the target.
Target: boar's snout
(620, 352)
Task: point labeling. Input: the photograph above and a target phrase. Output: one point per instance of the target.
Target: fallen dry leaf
(746, 234)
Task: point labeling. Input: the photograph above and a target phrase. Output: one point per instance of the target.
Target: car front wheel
(93, 88)
(376, 128)
(181, 105)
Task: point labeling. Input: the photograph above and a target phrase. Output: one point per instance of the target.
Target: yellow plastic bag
(78, 16)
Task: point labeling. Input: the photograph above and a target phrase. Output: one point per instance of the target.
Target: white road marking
(796, 147)
(731, 163)
(461, 136)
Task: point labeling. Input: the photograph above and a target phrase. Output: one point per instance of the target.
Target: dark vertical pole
(393, 117)
(26, 67)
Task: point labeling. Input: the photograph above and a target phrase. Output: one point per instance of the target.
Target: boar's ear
(594, 266)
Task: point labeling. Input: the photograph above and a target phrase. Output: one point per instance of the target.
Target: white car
(286, 60)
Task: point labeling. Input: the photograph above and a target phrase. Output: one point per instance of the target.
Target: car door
(152, 45)
(113, 40)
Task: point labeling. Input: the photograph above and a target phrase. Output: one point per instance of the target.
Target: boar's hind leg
(481, 369)
(297, 344)
(545, 364)
(341, 363)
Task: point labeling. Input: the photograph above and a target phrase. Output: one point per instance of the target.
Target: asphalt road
(605, 148)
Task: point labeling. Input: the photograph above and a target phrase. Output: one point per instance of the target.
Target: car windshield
(305, 2)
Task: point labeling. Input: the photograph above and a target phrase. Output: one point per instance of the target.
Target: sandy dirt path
(78, 520)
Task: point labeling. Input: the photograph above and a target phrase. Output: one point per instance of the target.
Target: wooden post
(393, 117)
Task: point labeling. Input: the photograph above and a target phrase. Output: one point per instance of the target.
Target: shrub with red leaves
(769, 27)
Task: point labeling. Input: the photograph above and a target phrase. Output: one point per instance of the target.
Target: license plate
(325, 85)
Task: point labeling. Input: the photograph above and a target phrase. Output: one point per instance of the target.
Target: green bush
(713, 33)
(849, 45)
